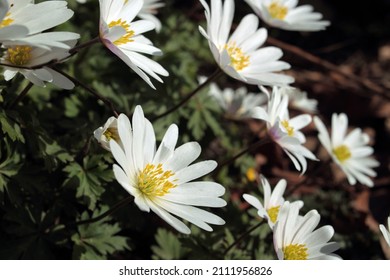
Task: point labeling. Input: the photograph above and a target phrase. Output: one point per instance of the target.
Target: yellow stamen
(289, 129)
(19, 55)
(6, 21)
(129, 33)
(342, 153)
(273, 213)
(251, 174)
(237, 58)
(277, 10)
(154, 181)
(111, 133)
(295, 252)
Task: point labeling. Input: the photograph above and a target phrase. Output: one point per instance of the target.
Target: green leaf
(97, 240)
(10, 164)
(168, 246)
(89, 178)
(10, 128)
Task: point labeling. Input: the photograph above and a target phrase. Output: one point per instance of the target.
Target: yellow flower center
(277, 11)
(154, 181)
(237, 58)
(19, 55)
(289, 129)
(251, 174)
(111, 133)
(6, 21)
(342, 153)
(295, 252)
(273, 213)
(129, 33)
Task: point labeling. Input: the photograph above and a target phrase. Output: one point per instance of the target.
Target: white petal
(183, 156)
(195, 171)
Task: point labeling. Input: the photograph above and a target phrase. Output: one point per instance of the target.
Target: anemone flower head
(123, 36)
(149, 10)
(23, 14)
(107, 132)
(286, 15)
(27, 60)
(240, 55)
(161, 180)
(350, 152)
(295, 238)
(238, 102)
(285, 131)
(272, 202)
(386, 232)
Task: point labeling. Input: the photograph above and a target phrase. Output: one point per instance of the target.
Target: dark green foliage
(53, 173)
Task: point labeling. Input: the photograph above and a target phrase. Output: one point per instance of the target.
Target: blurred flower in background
(286, 15)
(237, 103)
(350, 152)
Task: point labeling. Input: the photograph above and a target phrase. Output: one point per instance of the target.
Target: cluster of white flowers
(30, 51)
(26, 44)
(293, 235)
(161, 178)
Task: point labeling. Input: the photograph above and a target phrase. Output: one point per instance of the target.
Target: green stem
(21, 95)
(245, 234)
(110, 211)
(213, 77)
(243, 152)
(90, 90)
(77, 48)
(313, 174)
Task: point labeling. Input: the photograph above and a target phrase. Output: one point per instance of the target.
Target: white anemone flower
(350, 152)
(240, 55)
(272, 202)
(236, 102)
(386, 232)
(123, 37)
(286, 15)
(149, 10)
(24, 13)
(295, 238)
(26, 60)
(161, 180)
(298, 99)
(285, 131)
(107, 132)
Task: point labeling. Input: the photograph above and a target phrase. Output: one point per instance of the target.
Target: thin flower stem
(313, 174)
(243, 152)
(330, 66)
(90, 90)
(213, 77)
(21, 95)
(77, 48)
(245, 234)
(110, 211)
